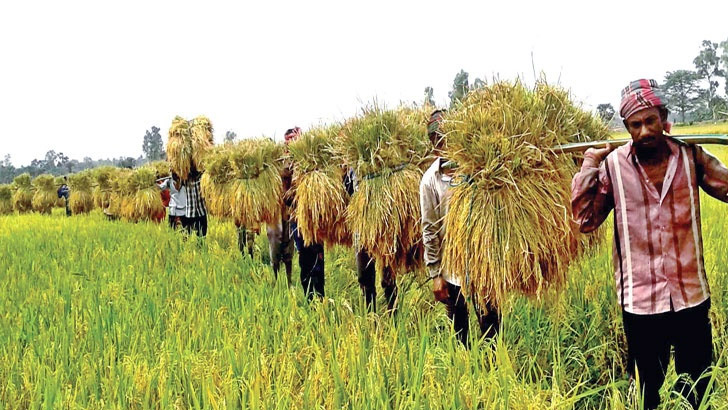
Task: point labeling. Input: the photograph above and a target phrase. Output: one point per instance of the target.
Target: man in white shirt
(434, 199)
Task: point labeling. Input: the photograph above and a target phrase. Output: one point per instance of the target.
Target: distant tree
(682, 90)
(707, 65)
(478, 83)
(7, 162)
(606, 112)
(152, 146)
(429, 93)
(127, 162)
(460, 87)
(724, 60)
(230, 136)
(50, 160)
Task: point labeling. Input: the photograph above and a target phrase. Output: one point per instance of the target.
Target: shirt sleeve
(430, 228)
(591, 195)
(712, 174)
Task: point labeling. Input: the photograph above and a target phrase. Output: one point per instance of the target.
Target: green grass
(98, 314)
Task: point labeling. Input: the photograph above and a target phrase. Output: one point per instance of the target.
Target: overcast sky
(88, 78)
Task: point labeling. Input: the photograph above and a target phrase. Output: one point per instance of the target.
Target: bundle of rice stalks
(60, 202)
(179, 147)
(81, 199)
(161, 168)
(6, 199)
(144, 201)
(118, 192)
(508, 225)
(318, 183)
(215, 182)
(201, 140)
(46, 195)
(23, 195)
(384, 149)
(102, 190)
(256, 186)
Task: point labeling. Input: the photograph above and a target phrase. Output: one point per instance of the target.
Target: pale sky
(89, 77)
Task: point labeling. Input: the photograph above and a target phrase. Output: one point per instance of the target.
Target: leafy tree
(460, 87)
(429, 93)
(708, 68)
(127, 162)
(478, 83)
(152, 146)
(7, 162)
(724, 60)
(606, 112)
(230, 136)
(682, 90)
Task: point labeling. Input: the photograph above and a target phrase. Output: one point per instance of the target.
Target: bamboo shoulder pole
(720, 139)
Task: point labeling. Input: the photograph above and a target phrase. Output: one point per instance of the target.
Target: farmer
(434, 198)
(311, 257)
(195, 211)
(177, 204)
(652, 185)
(64, 192)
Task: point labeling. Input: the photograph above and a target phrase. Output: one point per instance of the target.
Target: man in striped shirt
(196, 211)
(652, 185)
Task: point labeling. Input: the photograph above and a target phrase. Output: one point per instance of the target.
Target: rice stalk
(45, 195)
(318, 188)
(201, 140)
(508, 225)
(6, 199)
(23, 193)
(179, 147)
(81, 198)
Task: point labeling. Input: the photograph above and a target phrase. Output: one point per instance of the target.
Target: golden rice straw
(81, 199)
(45, 193)
(256, 188)
(201, 140)
(319, 190)
(508, 224)
(215, 182)
(23, 193)
(385, 148)
(6, 199)
(118, 192)
(146, 202)
(179, 147)
(102, 190)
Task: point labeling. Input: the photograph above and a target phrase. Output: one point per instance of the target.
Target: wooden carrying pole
(720, 139)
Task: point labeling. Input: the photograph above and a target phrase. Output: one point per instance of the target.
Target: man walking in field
(196, 211)
(434, 198)
(652, 185)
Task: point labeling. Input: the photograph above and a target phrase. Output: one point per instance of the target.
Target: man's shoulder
(431, 173)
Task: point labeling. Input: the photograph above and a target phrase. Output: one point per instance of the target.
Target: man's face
(646, 128)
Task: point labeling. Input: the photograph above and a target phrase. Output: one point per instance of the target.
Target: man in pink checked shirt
(652, 185)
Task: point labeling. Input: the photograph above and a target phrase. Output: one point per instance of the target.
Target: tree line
(694, 95)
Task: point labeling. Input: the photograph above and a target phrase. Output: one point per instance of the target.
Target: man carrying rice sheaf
(196, 211)
(434, 198)
(652, 185)
(311, 257)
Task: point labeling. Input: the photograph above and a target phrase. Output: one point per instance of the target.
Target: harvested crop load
(144, 202)
(81, 198)
(102, 190)
(201, 140)
(161, 168)
(256, 187)
(118, 192)
(215, 182)
(23, 193)
(45, 195)
(179, 147)
(384, 149)
(318, 182)
(508, 224)
(6, 199)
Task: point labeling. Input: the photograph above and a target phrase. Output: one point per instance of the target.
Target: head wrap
(640, 95)
(291, 134)
(433, 125)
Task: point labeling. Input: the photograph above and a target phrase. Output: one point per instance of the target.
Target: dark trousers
(457, 311)
(367, 273)
(197, 224)
(176, 222)
(246, 240)
(649, 339)
(311, 261)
